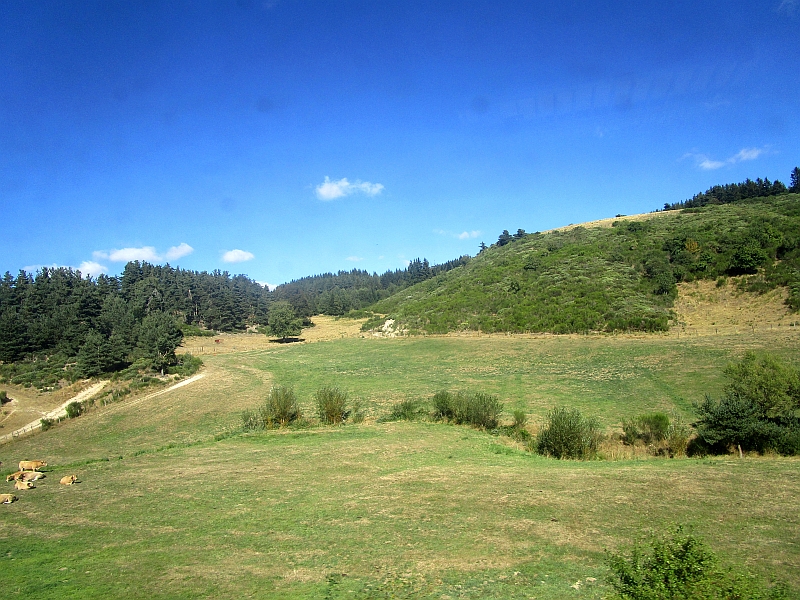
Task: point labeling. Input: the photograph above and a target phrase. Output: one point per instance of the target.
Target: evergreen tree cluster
(339, 293)
(734, 192)
(105, 324)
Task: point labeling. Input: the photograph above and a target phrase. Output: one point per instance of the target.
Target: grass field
(175, 502)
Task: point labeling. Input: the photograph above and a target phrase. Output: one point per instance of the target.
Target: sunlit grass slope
(175, 503)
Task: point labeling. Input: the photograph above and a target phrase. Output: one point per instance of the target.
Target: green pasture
(175, 502)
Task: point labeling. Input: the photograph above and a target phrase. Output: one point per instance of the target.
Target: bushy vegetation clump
(280, 408)
(566, 433)
(409, 409)
(331, 405)
(681, 567)
(661, 434)
(476, 409)
(759, 409)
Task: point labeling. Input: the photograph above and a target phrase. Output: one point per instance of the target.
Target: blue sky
(287, 138)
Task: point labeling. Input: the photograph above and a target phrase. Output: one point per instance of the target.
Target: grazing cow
(31, 465)
(30, 475)
(14, 476)
(7, 498)
(69, 479)
(24, 485)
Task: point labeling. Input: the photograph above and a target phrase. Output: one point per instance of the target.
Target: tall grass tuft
(568, 434)
(331, 405)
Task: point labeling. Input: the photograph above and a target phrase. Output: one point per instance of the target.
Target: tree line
(345, 291)
(734, 192)
(108, 323)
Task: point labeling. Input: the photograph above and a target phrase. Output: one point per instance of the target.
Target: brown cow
(14, 476)
(7, 498)
(24, 485)
(31, 465)
(69, 479)
(31, 475)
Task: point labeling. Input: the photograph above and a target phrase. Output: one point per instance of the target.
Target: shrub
(405, 410)
(758, 409)
(4, 397)
(442, 405)
(568, 434)
(678, 436)
(520, 419)
(478, 410)
(47, 424)
(681, 568)
(188, 364)
(74, 409)
(649, 428)
(280, 408)
(331, 405)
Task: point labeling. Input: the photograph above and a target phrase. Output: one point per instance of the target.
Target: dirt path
(57, 413)
(122, 405)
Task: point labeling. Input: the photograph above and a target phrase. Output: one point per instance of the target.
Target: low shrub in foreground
(568, 434)
(681, 567)
(331, 405)
(479, 409)
(280, 408)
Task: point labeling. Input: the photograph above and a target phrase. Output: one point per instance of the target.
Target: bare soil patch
(29, 404)
(704, 308)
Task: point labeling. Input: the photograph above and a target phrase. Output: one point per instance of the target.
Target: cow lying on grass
(69, 480)
(7, 498)
(31, 465)
(23, 485)
(14, 476)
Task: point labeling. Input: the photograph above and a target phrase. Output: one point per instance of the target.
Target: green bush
(280, 408)
(478, 410)
(4, 397)
(331, 405)
(405, 410)
(648, 428)
(758, 408)
(74, 409)
(188, 364)
(520, 419)
(47, 424)
(568, 434)
(681, 567)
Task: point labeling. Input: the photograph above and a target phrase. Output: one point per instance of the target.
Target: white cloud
(145, 253)
(330, 190)
(788, 6)
(100, 255)
(89, 267)
(236, 255)
(708, 164)
(269, 286)
(354, 258)
(177, 252)
(31, 269)
(468, 235)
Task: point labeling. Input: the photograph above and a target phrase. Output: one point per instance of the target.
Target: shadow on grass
(287, 340)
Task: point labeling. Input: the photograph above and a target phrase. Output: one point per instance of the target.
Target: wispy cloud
(709, 164)
(330, 190)
(354, 258)
(464, 235)
(236, 256)
(788, 7)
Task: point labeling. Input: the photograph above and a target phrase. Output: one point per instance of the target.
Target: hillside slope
(614, 278)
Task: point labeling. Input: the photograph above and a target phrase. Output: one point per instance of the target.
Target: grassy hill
(609, 278)
(177, 502)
